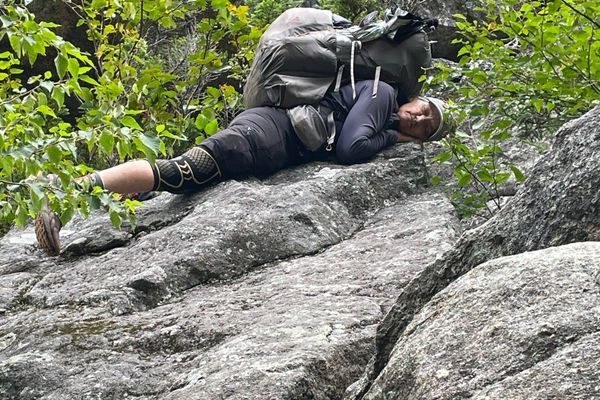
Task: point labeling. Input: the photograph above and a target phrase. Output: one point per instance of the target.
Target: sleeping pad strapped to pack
(307, 52)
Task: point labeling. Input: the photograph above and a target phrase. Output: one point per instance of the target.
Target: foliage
(353, 10)
(133, 103)
(265, 11)
(532, 66)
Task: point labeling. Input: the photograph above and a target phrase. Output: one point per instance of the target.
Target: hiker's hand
(402, 138)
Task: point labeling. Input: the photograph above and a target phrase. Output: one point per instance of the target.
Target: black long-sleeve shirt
(367, 124)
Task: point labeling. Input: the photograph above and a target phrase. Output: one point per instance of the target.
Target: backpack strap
(330, 122)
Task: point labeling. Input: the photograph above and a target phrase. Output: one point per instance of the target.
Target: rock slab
(250, 290)
(519, 327)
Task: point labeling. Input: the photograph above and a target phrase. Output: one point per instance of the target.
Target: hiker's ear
(407, 138)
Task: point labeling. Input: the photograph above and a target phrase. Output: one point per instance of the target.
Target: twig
(85, 18)
(580, 13)
(589, 56)
(141, 28)
(496, 202)
(13, 183)
(560, 61)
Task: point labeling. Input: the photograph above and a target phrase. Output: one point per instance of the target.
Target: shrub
(133, 103)
(524, 72)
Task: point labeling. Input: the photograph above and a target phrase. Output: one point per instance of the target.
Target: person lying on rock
(261, 141)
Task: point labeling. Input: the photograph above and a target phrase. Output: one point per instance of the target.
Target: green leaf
(115, 219)
(88, 79)
(73, 67)
(436, 180)
(201, 121)
(219, 4)
(485, 176)
(21, 216)
(442, 157)
(54, 154)
(502, 136)
(15, 42)
(122, 149)
(517, 173)
(502, 177)
(6, 22)
(134, 112)
(169, 135)
(130, 122)
(212, 127)
(58, 95)
(107, 142)
(67, 213)
(464, 180)
(44, 109)
(213, 92)
(37, 196)
(48, 85)
(61, 63)
(152, 142)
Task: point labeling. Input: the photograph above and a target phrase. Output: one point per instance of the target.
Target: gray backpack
(307, 52)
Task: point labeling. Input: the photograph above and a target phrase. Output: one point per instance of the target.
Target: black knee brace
(189, 172)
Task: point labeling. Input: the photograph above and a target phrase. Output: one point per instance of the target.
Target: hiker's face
(418, 120)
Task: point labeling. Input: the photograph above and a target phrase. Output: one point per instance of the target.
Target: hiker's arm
(363, 133)
(364, 147)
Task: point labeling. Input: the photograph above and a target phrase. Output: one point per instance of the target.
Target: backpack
(306, 53)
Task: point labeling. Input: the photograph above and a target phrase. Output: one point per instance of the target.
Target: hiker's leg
(130, 177)
(259, 141)
(187, 173)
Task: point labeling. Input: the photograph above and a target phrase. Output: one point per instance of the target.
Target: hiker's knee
(189, 172)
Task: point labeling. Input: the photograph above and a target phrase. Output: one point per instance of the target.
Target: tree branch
(565, 2)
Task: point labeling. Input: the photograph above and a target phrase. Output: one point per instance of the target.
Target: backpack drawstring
(376, 80)
(338, 81)
(355, 43)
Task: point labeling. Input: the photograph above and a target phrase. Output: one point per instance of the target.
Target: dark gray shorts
(259, 141)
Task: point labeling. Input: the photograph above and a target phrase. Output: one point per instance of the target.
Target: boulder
(252, 289)
(447, 31)
(558, 204)
(520, 327)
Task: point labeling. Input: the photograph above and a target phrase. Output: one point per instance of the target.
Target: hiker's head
(424, 119)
